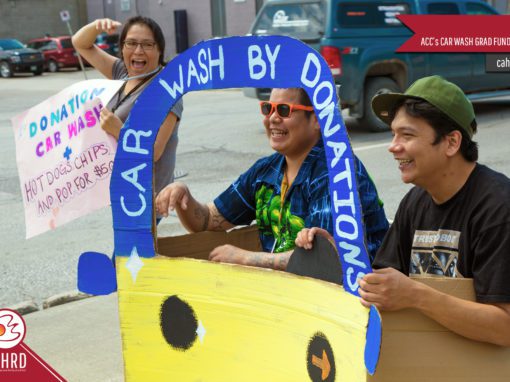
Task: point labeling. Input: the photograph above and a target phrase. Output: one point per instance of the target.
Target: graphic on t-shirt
(275, 219)
(435, 253)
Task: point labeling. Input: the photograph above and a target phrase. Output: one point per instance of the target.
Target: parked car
(109, 43)
(15, 58)
(358, 40)
(58, 52)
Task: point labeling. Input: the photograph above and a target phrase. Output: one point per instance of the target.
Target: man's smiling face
(419, 160)
(296, 134)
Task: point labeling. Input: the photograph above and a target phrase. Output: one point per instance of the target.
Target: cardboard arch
(234, 62)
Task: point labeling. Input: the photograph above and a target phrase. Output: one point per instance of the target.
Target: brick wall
(239, 16)
(27, 19)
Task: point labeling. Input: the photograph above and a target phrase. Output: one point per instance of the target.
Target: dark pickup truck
(15, 58)
(358, 39)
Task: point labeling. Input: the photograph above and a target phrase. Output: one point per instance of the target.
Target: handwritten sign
(65, 159)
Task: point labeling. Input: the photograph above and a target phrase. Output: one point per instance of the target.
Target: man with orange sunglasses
(284, 192)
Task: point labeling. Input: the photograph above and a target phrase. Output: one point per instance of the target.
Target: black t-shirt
(467, 236)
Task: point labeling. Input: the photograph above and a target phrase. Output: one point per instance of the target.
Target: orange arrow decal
(322, 363)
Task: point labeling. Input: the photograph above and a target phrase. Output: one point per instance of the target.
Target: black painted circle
(317, 347)
(178, 323)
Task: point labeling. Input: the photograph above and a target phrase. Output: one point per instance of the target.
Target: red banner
(22, 364)
(19, 363)
(457, 33)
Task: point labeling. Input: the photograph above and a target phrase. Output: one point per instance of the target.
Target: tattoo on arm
(202, 217)
(218, 222)
(206, 220)
(276, 261)
(283, 261)
(269, 260)
(257, 259)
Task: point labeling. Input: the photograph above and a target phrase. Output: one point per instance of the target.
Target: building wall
(27, 19)
(503, 6)
(198, 19)
(95, 10)
(239, 16)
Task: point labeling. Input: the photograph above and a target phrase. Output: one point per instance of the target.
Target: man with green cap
(455, 222)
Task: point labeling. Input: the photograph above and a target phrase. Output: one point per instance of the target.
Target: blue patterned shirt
(256, 195)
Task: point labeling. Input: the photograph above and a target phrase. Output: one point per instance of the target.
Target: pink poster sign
(64, 158)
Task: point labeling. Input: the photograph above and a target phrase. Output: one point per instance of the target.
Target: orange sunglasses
(284, 110)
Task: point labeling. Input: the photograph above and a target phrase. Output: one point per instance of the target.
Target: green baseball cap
(444, 95)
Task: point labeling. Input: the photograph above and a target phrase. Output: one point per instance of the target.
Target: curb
(64, 298)
(27, 307)
(24, 307)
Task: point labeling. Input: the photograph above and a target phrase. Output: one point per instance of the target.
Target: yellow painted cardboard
(414, 347)
(258, 323)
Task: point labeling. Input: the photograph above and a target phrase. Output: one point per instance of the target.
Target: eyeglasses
(284, 110)
(146, 45)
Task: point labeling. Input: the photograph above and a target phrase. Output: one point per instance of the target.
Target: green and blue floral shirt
(256, 195)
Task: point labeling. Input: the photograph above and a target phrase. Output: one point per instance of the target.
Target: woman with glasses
(141, 57)
(284, 192)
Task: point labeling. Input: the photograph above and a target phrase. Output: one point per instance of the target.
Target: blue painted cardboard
(272, 61)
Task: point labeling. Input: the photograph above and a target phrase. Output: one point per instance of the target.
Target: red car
(58, 52)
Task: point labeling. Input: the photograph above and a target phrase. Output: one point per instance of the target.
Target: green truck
(359, 39)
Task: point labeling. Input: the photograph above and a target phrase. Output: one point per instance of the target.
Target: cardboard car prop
(185, 318)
